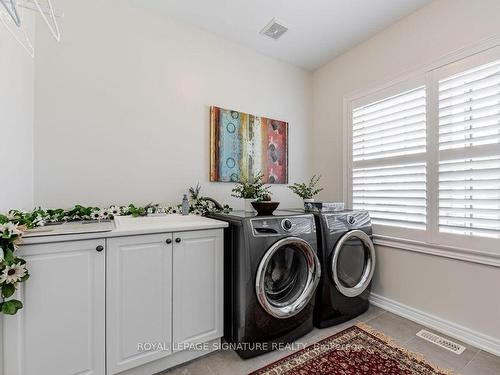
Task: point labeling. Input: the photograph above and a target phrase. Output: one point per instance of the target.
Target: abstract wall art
(243, 145)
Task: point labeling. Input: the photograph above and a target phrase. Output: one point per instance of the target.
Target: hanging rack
(29, 4)
(10, 7)
(18, 32)
(48, 13)
(52, 24)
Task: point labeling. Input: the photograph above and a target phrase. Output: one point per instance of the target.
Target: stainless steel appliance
(270, 277)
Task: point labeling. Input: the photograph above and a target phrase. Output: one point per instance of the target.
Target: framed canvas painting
(244, 145)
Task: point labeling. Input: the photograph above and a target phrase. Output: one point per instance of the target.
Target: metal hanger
(12, 20)
(18, 32)
(29, 4)
(51, 20)
(11, 8)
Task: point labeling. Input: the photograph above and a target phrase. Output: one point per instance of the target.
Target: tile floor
(471, 362)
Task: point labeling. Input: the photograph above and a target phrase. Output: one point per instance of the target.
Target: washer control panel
(283, 225)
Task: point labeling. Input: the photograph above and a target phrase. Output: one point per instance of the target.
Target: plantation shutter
(388, 159)
(469, 145)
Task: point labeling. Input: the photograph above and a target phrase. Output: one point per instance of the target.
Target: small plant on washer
(309, 190)
(266, 198)
(251, 190)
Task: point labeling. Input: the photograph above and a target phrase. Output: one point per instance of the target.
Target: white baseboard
(467, 335)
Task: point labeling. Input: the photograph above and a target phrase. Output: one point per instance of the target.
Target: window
(388, 153)
(425, 155)
(469, 127)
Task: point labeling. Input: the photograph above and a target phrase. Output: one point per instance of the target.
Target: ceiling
(319, 30)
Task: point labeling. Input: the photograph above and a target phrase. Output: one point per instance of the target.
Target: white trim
(457, 331)
(432, 160)
(412, 82)
(398, 233)
(466, 153)
(465, 63)
(347, 152)
(391, 160)
(451, 252)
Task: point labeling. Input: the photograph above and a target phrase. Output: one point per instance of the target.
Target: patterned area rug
(358, 350)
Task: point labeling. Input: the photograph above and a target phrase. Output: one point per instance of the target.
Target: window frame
(409, 84)
(478, 59)
(430, 240)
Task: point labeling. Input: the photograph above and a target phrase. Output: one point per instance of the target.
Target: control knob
(287, 224)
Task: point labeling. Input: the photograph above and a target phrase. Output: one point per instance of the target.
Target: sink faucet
(217, 205)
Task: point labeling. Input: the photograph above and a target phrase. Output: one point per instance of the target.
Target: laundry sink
(167, 222)
(74, 227)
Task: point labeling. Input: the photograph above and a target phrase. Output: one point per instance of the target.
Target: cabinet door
(60, 330)
(197, 287)
(139, 300)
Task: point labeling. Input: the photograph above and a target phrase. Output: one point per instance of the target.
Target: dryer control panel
(347, 220)
(279, 226)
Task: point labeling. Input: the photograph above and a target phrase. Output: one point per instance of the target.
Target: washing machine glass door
(353, 263)
(287, 277)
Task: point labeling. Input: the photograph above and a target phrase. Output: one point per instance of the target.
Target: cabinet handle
(99, 248)
(178, 240)
(168, 241)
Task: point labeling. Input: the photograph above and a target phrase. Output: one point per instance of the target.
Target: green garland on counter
(13, 270)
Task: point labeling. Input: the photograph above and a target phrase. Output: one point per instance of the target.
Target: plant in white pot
(307, 191)
(251, 191)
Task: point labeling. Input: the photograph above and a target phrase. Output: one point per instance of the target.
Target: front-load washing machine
(270, 277)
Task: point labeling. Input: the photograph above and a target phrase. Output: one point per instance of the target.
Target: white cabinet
(116, 305)
(139, 300)
(163, 290)
(61, 329)
(197, 292)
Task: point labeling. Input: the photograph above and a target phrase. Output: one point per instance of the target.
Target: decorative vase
(248, 205)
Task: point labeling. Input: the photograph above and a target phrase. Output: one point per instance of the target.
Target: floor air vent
(441, 341)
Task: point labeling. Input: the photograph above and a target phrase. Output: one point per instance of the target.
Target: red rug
(358, 350)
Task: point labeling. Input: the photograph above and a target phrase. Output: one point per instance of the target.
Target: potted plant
(265, 205)
(307, 191)
(251, 191)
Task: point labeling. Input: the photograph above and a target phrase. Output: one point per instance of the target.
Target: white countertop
(120, 227)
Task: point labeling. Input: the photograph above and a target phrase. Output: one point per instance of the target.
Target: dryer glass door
(287, 277)
(353, 263)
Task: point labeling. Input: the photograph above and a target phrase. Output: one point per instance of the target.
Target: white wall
(16, 127)
(122, 106)
(122, 115)
(16, 121)
(461, 292)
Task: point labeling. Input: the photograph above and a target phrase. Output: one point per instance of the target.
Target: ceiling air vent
(274, 29)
